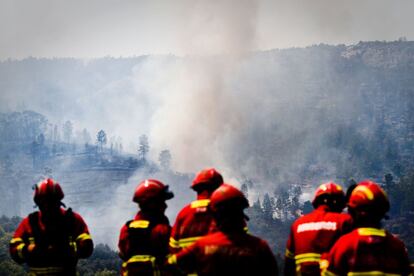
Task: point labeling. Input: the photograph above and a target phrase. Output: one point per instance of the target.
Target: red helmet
(329, 193)
(228, 195)
(368, 196)
(207, 177)
(151, 189)
(47, 190)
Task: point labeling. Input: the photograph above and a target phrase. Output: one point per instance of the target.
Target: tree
(282, 203)
(118, 145)
(21, 126)
(86, 137)
(67, 131)
(34, 151)
(295, 193)
(165, 159)
(7, 265)
(41, 139)
(101, 139)
(267, 206)
(103, 261)
(143, 147)
(55, 134)
(54, 149)
(32, 124)
(279, 207)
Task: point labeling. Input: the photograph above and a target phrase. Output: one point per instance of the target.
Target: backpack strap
(37, 237)
(69, 222)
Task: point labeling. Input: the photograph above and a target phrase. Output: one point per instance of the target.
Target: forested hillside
(281, 123)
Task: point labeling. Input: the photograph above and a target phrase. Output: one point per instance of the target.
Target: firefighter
(369, 249)
(143, 242)
(315, 233)
(230, 250)
(51, 240)
(195, 219)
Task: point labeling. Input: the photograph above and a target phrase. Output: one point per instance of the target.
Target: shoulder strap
(34, 225)
(70, 221)
(33, 220)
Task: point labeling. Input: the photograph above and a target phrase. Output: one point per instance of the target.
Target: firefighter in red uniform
(369, 249)
(195, 219)
(51, 240)
(230, 250)
(143, 242)
(314, 234)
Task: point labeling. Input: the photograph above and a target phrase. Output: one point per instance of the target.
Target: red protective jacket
(143, 244)
(227, 254)
(193, 222)
(312, 235)
(367, 251)
(58, 243)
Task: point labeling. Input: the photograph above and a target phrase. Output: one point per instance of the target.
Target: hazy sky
(93, 28)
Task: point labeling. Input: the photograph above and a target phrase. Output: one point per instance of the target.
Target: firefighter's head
(331, 195)
(227, 205)
(368, 203)
(48, 195)
(151, 195)
(207, 180)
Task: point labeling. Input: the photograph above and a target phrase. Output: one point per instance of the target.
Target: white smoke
(195, 105)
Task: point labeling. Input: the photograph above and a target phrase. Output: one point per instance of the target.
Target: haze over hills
(277, 119)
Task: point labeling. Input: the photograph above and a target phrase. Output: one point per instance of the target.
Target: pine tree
(101, 139)
(143, 147)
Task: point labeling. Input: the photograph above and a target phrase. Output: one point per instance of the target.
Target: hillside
(280, 122)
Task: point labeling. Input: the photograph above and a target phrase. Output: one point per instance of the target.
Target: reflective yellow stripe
(31, 240)
(143, 258)
(323, 264)
(46, 270)
(307, 257)
(187, 241)
(328, 273)
(139, 258)
(371, 232)
(73, 245)
(190, 239)
(84, 236)
(139, 224)
(172, 260)
(246, 229)
(365, 190)
(20, 250)
(16, 240)
(289, 254)
(307, 260)
(173, 243)
(200, 203)
(371, 273)
(181, 243)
